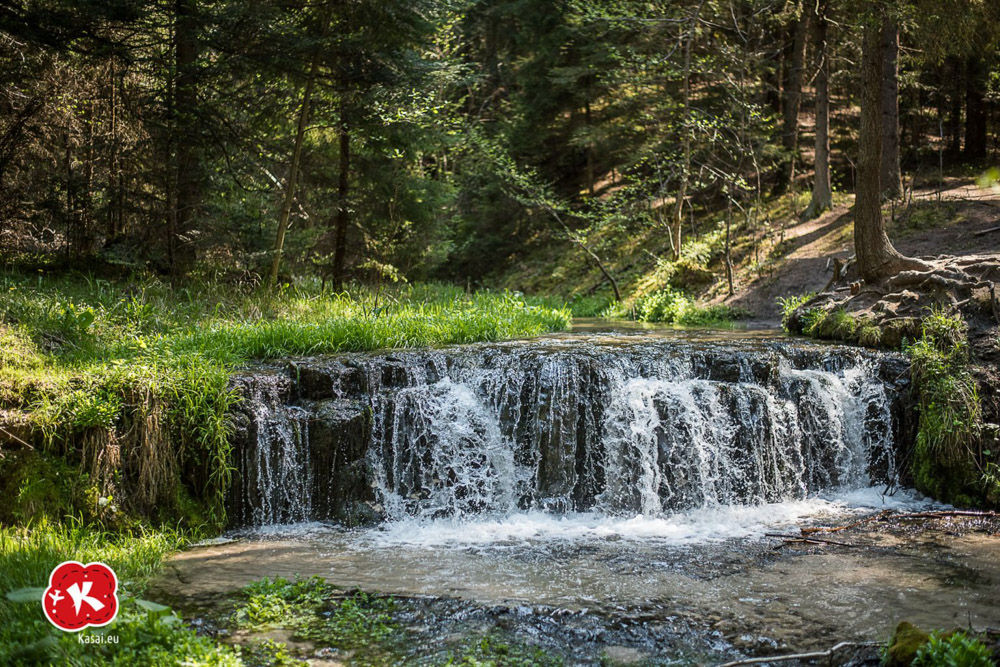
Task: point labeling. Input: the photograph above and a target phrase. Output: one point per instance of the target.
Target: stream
(605, 494)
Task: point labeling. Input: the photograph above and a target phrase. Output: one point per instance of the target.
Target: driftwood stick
(941, 514)
(986, 231)
(800, 656)
(810, 540)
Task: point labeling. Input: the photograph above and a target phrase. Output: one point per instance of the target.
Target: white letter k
(79, 597)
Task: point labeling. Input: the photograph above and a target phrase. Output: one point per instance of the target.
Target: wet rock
(339, 435)
(320, 381)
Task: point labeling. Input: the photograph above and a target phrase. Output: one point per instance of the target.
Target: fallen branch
(801, 656)
(14, 437)
(986, 231)
(810, 540)
(944, 513)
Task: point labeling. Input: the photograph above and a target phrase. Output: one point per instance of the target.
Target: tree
(876, 256)
(891, 176)
(792, 103)
(822, 196)
(293, 168)
(187, 169)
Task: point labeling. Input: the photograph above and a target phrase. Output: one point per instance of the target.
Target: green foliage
(316, 613)
(834, 324)
(147, 633)
(492, 651)
(953, 649)
(271, 602)
(946, 461)
(40, 487)
(671, 306)
(356, 622)
(789, 305)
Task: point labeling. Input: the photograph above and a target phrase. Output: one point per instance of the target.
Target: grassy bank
(146, 633)
(129, 381)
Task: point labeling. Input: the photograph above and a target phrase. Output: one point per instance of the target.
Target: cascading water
(272, 452)
(615, 425)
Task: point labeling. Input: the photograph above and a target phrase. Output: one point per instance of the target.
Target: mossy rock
(905, 643)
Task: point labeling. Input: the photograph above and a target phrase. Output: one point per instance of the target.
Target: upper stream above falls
(646, 424)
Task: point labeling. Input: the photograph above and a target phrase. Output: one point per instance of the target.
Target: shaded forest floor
(938, 221)
(779, 256)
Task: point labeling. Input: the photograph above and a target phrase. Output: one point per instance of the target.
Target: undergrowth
(146, 633)
(954, 649)
(947, 457)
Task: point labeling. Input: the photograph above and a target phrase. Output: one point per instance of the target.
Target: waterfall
(274, 482)
(620, 425)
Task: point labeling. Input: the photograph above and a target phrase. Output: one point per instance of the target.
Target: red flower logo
(81, 596)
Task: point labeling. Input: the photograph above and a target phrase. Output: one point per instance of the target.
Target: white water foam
(700, 526)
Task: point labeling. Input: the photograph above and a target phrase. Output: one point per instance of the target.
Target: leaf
(26, 595)
(37, 651)
(153, 608)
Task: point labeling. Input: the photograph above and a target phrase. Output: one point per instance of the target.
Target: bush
(670, 306)
(955, 649)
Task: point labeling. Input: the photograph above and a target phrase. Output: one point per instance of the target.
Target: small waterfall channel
(629, 425)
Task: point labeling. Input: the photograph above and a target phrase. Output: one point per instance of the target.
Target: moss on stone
(905, 642)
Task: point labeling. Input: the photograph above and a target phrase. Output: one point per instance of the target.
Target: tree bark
(975, 109)
(955, 112)
(822, 195)
(187, 176)
(293, 169)
(792, 105)
(677, 224)
(877, 258)
(343, 185)
(892, 179)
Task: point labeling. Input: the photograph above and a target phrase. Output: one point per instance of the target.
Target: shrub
(955, 649)
(674, 307)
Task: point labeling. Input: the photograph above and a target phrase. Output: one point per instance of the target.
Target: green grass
(947, 462)
(100, 367)
(147, 634)
(671, 306)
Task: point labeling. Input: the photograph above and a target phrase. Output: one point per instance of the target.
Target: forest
(477, 284)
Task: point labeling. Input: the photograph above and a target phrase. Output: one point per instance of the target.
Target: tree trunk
(340, 241)
(975, 109)
(892, 179)
(792, 104)
(677, 224)
(877, 258)
(590, 148)
(293, 169)
(187, 163)
(955, 114)
(822, 196)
